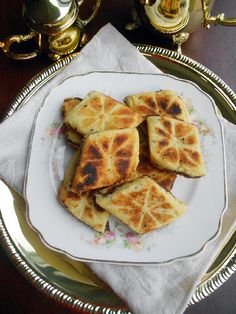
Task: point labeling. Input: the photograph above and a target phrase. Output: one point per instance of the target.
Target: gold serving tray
(70, 282)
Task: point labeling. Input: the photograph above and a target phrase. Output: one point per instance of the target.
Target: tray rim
(210, 283)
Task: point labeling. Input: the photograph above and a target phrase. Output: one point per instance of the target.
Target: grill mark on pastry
(94, 153)
(161, 132)
(120, 139)
(158, 103)
(105, 145)
(122, 166)
(142, 204)
(90, 173)
(98, 112)
(170, 154)
(143, 213)
(163, 102)
(183, 153)
(151, 103)
(96, 105)
(190, 140)
(81, 205)
(174, 109)
(102, 113)
(124, 152)
(88, 212)
(193, 154)
(147, 111)
(167, 125)
(163, 143)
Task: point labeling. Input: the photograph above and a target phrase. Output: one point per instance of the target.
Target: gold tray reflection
(72, 282)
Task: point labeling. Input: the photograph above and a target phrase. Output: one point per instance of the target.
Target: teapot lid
(50, 16)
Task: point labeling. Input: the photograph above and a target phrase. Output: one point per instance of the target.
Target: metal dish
(34, 260)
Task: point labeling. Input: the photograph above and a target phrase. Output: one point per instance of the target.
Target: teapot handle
(95, 10)
(5, 45)
(217, 20)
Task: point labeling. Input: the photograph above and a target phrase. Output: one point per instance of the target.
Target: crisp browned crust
(174, 145)
(72, 135)
(165, 102)
(98, 112)
(82, 205)
(69, 104)
(107, 157)
(142, 204)
(163, 177)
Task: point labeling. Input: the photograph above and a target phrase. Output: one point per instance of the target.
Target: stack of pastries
(127, 158)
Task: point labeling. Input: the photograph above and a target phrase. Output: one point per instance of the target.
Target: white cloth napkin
(156, 289)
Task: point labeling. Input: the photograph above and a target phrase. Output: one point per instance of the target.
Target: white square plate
(50, 154)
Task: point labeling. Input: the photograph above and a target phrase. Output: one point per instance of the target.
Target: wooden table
(214, 48)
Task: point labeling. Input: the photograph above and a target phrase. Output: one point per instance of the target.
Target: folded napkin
(146, 289)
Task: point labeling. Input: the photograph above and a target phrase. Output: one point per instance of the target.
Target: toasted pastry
(165, 102)
(69, 104)
(72, 135)
(142, 204)
(174, 145)
(107, 157)
(163, 177)
(82, 205)
(98, 112)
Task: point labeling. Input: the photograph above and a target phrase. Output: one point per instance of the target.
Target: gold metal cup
(176, 18)
(58, 32)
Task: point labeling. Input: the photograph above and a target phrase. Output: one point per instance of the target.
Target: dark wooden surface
(214, 48)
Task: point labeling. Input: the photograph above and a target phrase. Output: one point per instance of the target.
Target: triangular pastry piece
(107, 157)
(165, 102)
(82, 205)
(73, 137)
(174, 145)
(98, 112)
(142, 204)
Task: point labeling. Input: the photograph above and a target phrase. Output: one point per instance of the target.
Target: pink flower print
(131, 237)
(55, 130)
(107, 238)
(132, 241)
(203, 128)
(109, 235)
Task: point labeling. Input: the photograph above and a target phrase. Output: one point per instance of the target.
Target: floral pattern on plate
(63, 232)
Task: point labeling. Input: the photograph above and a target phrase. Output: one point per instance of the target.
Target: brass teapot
(176, 18)
(55, 27)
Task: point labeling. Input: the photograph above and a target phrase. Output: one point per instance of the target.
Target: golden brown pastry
(165, 102)
(174, 145)
(107, 157)
(98, 112)
(145, 168)
(69, 104)
(142, 204)
(163, 177)
(72, 136)
(82, 205)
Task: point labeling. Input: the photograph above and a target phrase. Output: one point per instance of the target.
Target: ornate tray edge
(41, 284)
(207, 286)
(190, 63)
